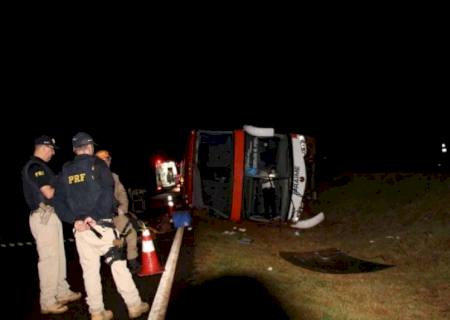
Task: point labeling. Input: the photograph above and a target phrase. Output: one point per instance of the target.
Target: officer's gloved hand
(80, 226)
(90, 222)
(83, 225)
(119, 242)
(120, 212)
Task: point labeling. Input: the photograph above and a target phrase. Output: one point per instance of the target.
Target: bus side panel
(189, 168)
(238, 175)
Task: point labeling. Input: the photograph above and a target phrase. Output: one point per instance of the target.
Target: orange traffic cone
(149, 260)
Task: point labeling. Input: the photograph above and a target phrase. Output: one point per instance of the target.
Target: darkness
(211, 300)
(371, 93)
(370, 140)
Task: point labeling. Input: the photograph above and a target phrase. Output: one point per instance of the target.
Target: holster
(45, 211)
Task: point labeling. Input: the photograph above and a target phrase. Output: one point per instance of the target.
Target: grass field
(399, 219)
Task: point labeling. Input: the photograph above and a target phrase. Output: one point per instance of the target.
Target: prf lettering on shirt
(39, 173)
(77, 178)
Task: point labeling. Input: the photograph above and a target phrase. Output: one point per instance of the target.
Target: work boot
(134, 266)
(104, 315)
(54, 309)
(138, 310)
(72, 296)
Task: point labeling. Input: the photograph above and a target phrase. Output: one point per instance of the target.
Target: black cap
(45, 140)
(81, 139)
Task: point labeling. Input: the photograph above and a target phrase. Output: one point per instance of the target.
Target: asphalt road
(227, 297)
(20, 282)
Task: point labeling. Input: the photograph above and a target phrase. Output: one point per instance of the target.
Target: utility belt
(107, 223)
(115, 253)
(119, 237)
(41, 206)
(118, 241)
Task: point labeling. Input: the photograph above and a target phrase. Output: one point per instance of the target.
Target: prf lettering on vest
(77, 178)
(39, 173)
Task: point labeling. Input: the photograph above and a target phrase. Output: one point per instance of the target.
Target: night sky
(375, 99)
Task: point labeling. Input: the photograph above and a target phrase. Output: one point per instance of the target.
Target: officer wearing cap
(269, 192)
(121, 220)
(38, 186)
(86, 197)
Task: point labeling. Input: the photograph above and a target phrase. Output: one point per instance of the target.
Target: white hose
(259, 132)
(309, 223)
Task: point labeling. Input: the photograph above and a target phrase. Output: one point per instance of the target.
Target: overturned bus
(224, 171)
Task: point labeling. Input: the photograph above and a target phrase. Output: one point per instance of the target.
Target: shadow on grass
(227, 297)
(331, 261)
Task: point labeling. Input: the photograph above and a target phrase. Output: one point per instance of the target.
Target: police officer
(170, 175)
(121, 221)
(87, 194)
(38, 186)
(268, 189)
